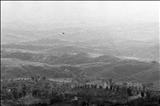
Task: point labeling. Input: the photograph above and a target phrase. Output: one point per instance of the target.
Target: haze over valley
(111, 42)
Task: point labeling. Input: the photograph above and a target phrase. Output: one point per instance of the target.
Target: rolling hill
(120, 70)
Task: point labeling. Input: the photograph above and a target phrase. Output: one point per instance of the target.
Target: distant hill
(115, 52)
(129, 48)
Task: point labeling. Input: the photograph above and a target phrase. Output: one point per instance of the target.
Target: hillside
(118, 70)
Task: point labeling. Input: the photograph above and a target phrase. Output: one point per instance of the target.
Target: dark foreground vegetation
(39, 91)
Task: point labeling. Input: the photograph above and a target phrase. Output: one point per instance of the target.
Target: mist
(104, 15)
(78, 12)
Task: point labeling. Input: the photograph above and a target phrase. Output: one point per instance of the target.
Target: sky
(79, 12)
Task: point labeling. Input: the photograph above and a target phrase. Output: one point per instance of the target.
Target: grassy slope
(121, 70)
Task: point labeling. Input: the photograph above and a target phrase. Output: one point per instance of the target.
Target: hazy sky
(79, 12)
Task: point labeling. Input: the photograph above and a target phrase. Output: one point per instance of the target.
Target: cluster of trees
(40, 90)
(37, 88)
